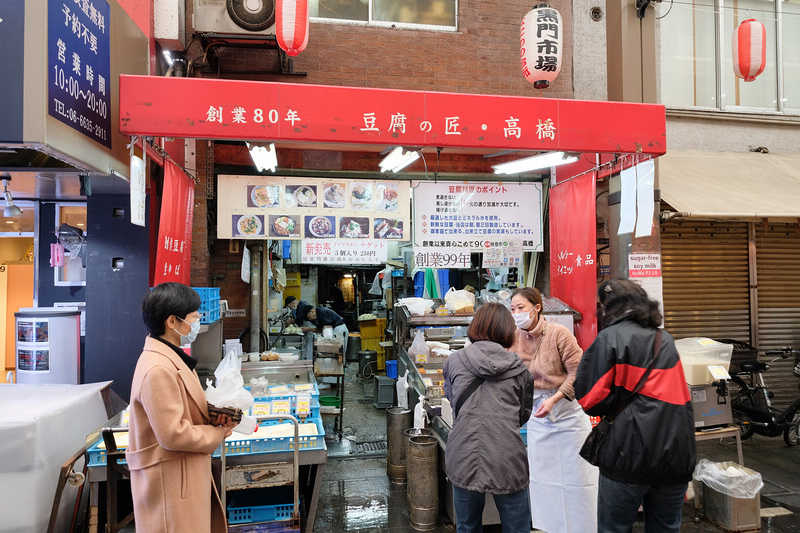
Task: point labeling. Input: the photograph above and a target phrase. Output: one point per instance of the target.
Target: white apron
(563, 486)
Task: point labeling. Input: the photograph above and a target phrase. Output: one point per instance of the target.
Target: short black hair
(624, 298)
(165, 300)
(289, 299)
(493, 322)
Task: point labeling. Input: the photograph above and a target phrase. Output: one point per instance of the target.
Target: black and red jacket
(651, 442)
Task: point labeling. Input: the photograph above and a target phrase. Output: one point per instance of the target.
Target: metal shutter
(705, 279)
(778, 259)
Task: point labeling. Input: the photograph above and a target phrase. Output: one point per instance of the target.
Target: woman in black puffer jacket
(648, 455)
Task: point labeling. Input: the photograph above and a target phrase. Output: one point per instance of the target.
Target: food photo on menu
(388, 228)
(320, 227)
(248, 225)
(283, 226)
(263, 195)
(361, 195)
(333, 195)
(387, 197)
(353, 227)
(300, 196)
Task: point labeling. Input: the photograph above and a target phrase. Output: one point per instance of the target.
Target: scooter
(751, 404)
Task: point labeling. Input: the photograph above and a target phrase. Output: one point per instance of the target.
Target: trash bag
(729, 478)
(402, 391)
(417, 306)
(229, 390)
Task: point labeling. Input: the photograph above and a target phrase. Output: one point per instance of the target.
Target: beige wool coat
(170, 446)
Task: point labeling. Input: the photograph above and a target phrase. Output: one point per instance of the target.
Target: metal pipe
(255, 300)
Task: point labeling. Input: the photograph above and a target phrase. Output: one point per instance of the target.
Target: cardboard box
(732, 514)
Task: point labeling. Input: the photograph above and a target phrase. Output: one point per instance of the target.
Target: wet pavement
(356, 495)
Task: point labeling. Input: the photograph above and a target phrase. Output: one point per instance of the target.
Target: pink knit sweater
(552, 355)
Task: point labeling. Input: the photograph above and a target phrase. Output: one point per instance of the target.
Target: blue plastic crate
(207, 293)
(247, 506)
(207, 317)
(254, 445)
(209, 305)
(97, 455)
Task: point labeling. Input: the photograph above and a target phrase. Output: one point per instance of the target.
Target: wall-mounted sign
(348, 252)
(471, 214)
(503, 254)
(79, 66)
(268, 207)
(447, 257)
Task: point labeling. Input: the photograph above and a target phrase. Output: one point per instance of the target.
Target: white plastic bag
(729, 478)
(419, 351)
(420, 414)
(458, 299)
(402, 391)
(417, 306)
(229, 390)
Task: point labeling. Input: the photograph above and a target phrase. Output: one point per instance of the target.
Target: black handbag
(590, 450)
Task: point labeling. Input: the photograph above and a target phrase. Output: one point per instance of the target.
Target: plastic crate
(246, 506)
(372, 329)
(207, 317)
(207, 293)
(97, 455)
(209, 305)
(249, 446)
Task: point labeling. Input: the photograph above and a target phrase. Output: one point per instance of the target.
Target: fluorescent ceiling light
(263, 157)
(398, 159)
(537, 162)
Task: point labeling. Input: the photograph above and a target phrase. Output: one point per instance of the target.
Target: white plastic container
(698, 353)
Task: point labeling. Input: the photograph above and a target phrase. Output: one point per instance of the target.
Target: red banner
(573, 251)
(251, 110)
(174, 251)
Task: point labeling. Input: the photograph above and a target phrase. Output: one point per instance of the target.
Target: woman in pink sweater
(563, 488)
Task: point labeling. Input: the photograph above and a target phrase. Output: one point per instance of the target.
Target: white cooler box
(698, 353)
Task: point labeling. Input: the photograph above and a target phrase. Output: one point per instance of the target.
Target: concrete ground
(356, 494)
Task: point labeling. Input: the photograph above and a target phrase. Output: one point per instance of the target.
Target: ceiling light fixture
(398, 159)
(263, 157)
(537, 162)
(11, 210)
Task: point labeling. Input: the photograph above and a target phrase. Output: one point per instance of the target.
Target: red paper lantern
(291, 25)
(749, 49)
(540, 45)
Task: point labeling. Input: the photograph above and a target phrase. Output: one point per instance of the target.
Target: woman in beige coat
(171, 434)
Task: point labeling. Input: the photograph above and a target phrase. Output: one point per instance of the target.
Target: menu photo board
(33, 345)
(272, 207)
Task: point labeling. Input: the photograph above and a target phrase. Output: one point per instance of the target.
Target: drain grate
(371, 447)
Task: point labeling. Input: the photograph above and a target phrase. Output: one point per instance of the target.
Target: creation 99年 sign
(476, 214)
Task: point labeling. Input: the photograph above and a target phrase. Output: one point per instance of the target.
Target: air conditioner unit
(234, 17)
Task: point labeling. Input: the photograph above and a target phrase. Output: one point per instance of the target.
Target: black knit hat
(289, 299)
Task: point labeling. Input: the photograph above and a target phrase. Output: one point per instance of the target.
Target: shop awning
(731, 185)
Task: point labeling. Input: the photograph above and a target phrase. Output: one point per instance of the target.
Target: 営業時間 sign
(79, 66)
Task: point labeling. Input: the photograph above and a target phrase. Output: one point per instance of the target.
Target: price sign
(281, 407)
(303, 407)
(260, 409)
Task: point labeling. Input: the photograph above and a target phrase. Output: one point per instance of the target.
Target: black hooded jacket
(651, 442)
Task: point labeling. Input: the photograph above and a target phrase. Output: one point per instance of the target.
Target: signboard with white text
(344, 252)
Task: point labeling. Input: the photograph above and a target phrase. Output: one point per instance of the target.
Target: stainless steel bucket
(398, 420)
(353, 347)
(423, 481)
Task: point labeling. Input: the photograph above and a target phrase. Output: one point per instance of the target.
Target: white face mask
(523, 320)
(192, 335)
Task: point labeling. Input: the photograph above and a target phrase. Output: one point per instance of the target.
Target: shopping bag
(229, 390)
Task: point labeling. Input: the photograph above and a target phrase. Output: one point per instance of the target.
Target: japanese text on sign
(79, 66)
(502, 254)
(478, 212)
(569, 262)
(337, 251)
(441, 257)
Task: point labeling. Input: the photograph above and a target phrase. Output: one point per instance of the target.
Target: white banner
(138, 193)
(344, 252)
(466, 215)
(441, 257)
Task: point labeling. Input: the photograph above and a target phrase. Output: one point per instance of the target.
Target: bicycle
(752, 407)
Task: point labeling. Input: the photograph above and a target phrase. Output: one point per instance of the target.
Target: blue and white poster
(79, 66)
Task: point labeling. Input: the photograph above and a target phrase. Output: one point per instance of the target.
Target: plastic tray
(246, 506)
(207, 293)
(248, 446)
(209, 304)
(207, 317)
(97, 455)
